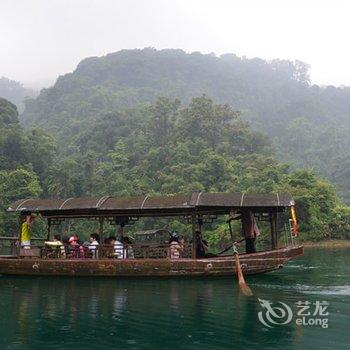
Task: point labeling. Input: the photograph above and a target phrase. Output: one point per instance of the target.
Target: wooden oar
(241, 281)
(243, 286)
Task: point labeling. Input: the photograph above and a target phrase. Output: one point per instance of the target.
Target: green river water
(154, 313)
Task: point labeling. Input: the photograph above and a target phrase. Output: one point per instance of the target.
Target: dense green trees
(162, 148)
(14, 92)
(15, 184)
(25, 158)
(309, 125)
(115, 135)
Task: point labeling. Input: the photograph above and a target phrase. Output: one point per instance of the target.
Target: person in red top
(250, 229)
(77, 250)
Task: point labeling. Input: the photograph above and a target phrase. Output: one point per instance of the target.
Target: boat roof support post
(15, 249)
(100, 230)
(194, 228)
(200, 223)
(273, 225)
(20, 220)
(121, 229)
(48, 229)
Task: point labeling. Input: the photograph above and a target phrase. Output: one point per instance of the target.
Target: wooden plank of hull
(251, 264)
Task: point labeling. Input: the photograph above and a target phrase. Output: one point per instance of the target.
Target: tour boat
(153, 258)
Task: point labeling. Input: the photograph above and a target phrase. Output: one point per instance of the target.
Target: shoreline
(330, 243)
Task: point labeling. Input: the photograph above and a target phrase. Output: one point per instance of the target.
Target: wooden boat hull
(221, 266)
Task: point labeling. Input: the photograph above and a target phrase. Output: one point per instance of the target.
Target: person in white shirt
(118, 248)
(93, 245)
(128, 251)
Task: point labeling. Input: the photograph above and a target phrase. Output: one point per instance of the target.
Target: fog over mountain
(308, 124)
(157, 97)
(43, 39)
(15, 92)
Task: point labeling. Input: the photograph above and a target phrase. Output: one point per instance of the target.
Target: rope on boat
(198, 198)
(144, 201)
(64, 202)
(20, 205)
(278, 199)
(101, 201)
(230, 246)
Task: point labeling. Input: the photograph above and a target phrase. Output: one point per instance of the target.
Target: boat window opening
(151, 243)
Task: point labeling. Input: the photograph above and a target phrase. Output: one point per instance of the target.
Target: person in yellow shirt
(26, 230)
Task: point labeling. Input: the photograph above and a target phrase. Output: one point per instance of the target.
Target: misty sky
(41, 39)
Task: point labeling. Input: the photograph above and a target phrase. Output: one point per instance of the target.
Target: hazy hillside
(15, 92)
(308, 124)
(162, 148)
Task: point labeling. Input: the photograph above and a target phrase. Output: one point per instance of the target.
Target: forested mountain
(15, 92)
(309, 125)
(25, 157)
(109, 132)
(164, 148)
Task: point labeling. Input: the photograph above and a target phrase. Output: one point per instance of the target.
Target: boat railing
(88, 251)
(8, 246)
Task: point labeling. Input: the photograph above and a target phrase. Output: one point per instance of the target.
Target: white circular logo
(274, 315)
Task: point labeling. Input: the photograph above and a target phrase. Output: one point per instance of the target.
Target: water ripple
(64, 313)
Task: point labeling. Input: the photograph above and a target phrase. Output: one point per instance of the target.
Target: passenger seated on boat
(201, 246)
(58, 245)
(182, 245)
(75, 248)
(176, 247)
(118, 248)
(250, 229)
(93, 245)
(128, 251)
(65, 241)
(107, 250)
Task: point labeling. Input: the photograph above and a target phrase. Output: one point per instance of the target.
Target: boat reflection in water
(157, 314)
(166, 313)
